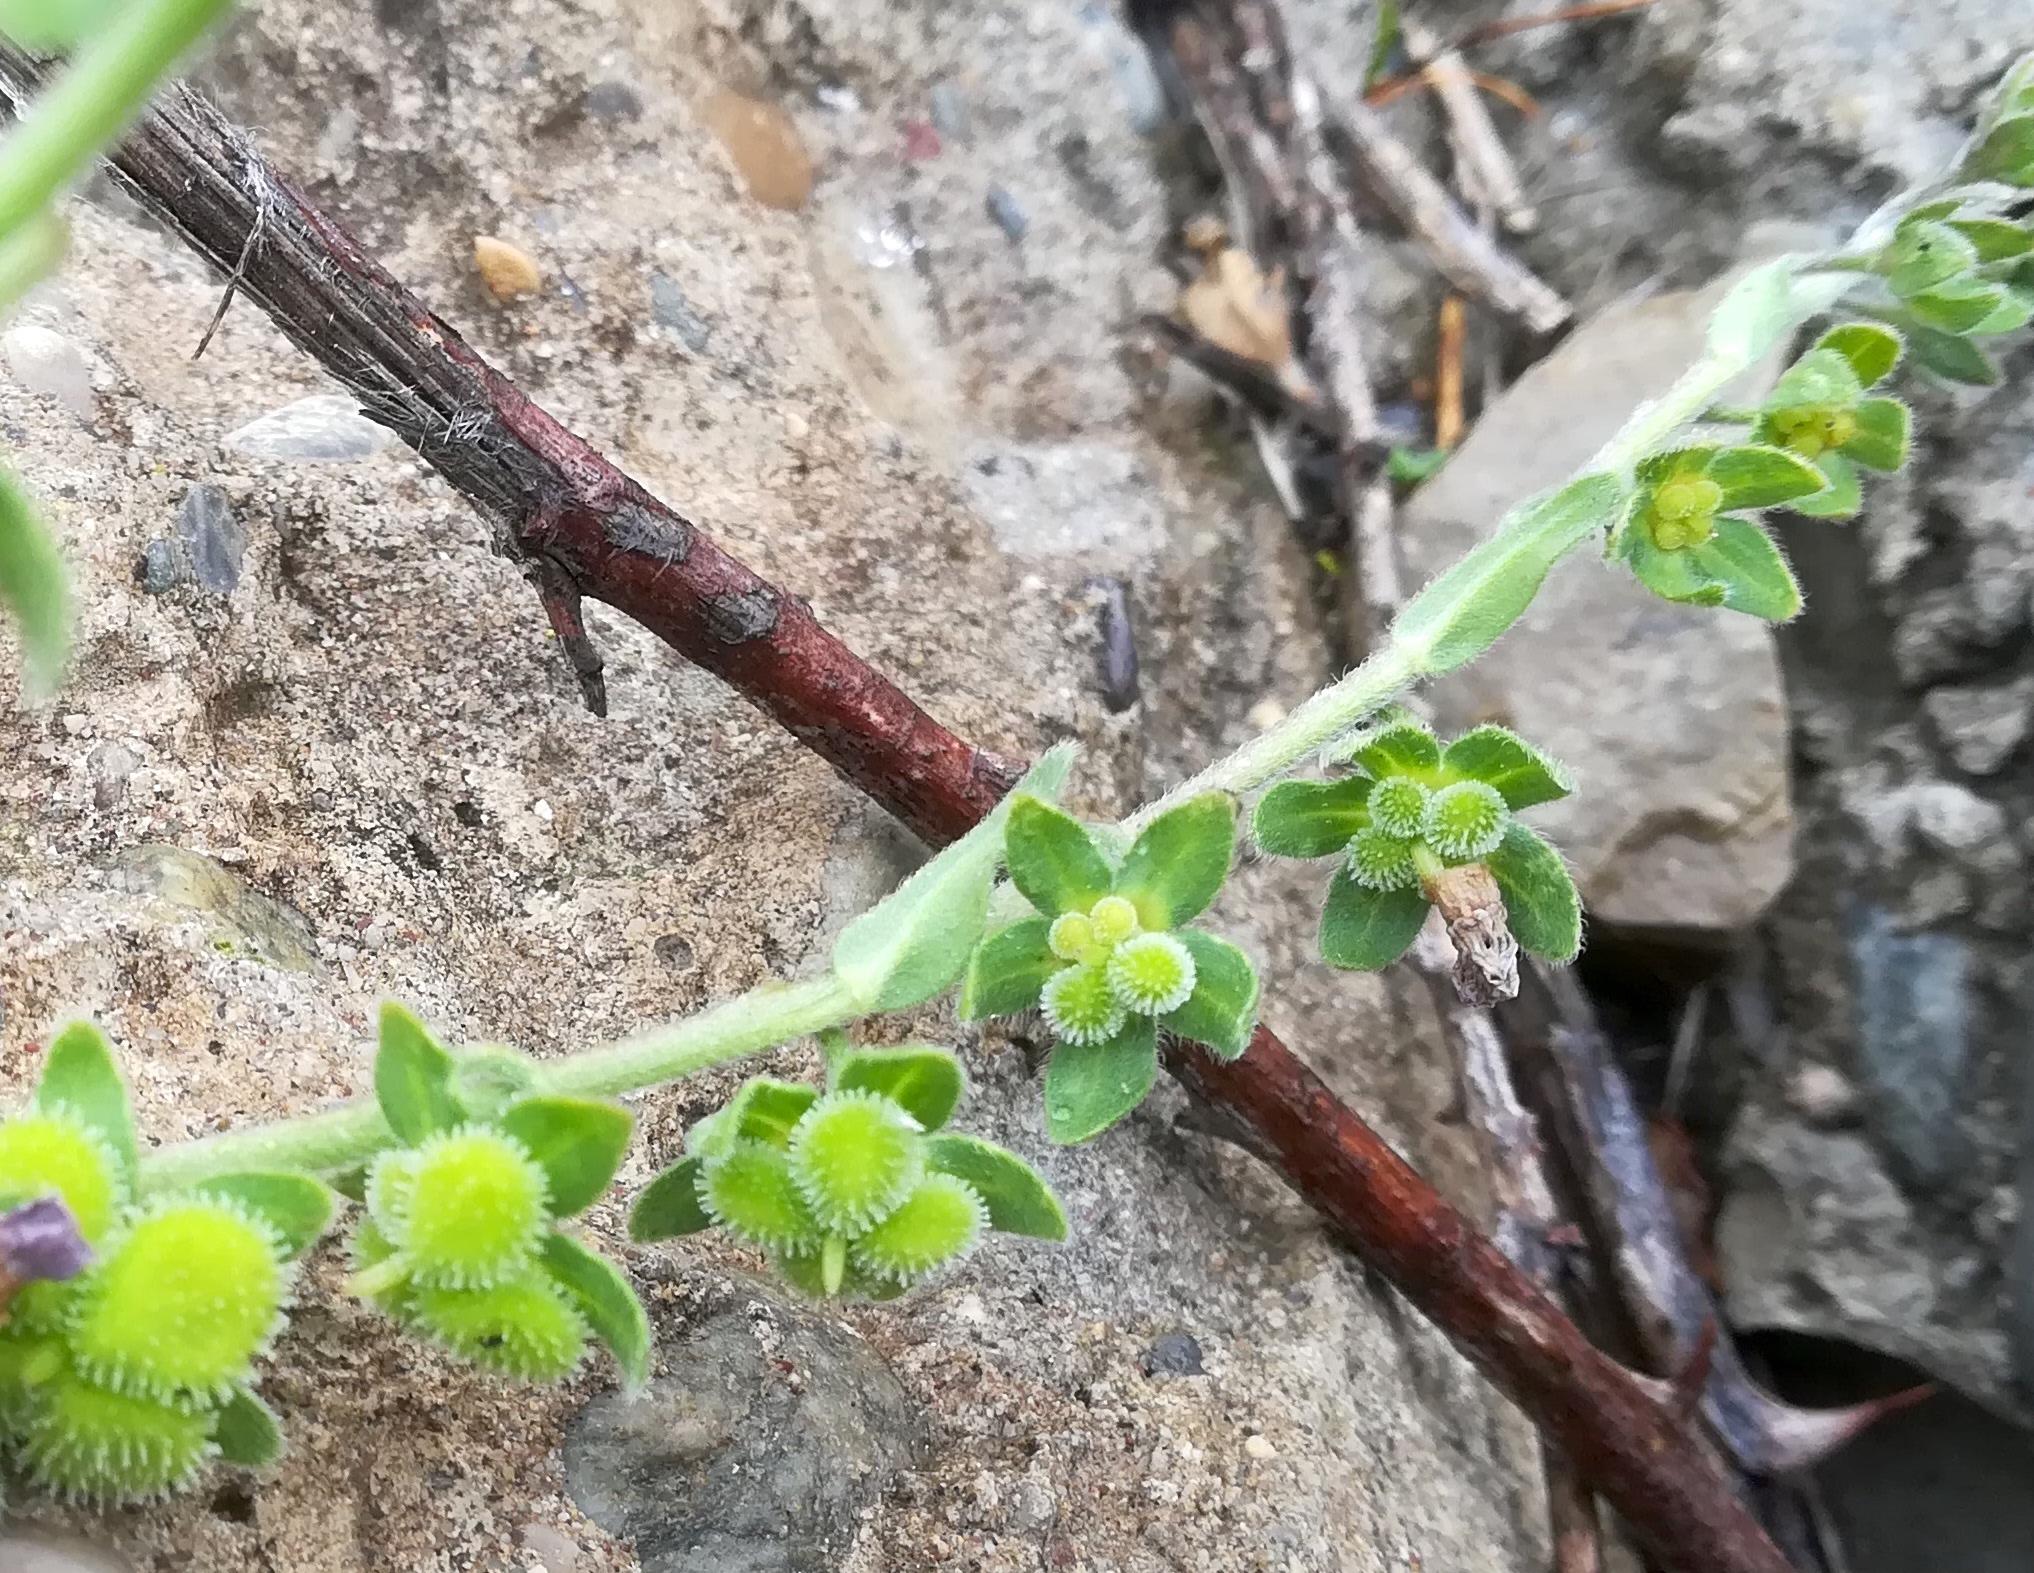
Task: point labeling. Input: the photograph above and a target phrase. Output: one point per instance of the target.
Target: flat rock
(325, 428)
(1672, 717)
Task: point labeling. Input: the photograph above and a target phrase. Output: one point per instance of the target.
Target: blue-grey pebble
(212, 539)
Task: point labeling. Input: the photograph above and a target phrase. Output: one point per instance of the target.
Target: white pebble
(325, 428)
(46, 362)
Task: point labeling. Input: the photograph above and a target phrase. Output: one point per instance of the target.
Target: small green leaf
(927, 1082)
(577, 1142)
(1656, 468)
(1881, 439)
(915, 943)
(762, 1110)
(1502, 759)
(2015, 308)
(1673, 576)
(1756, 310)
(1822, 378)
(413, 1078)
(1540, 903)
(1872, 349)
(486, 1080)
(296, 1206)
(1845, 495)
(1382, 43)
(1412, 466)
(1951, 358)
(607, 1301)
(1465, 610)
(2006, 153)
(1364, 930)
(1222, 1011)
(1177, 864)
(1755, 578)
(669, 1205)
(351, 1184)
(1996, 239)
(247, 1432)
(1957, 305)
(1310, 819)
(1762, 477)
(1018, 1199)
(1053, 861)
(1089, 1087)
(79, 1076)
(1925, 255)
(1007, 971)
(34, 587)
(1405, 748)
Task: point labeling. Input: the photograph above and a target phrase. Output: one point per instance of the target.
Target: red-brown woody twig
(583, 528)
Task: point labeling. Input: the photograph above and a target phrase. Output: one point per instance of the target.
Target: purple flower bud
(40, 1239)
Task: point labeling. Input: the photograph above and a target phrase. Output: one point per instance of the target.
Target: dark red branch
(584, 528)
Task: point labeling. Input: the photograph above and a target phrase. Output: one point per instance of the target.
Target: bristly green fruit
(1821, 410)
(1684, 535)
(1472, 790)
(521, 1328)
(856, 1198)
(91, 1444)
(465, 1208)
(1109, 960)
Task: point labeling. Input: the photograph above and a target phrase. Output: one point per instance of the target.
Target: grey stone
(46, 362)
(670, 309)
(1176, 1354)
(949, 111)
(245, 922)
(1007, 211)
(757, 1451)
(164, 565)
(212, 539)
(1913, 1041)
(110, 764)
(613, 101)
(1671, 717)
(324, 428)
(1982, 724)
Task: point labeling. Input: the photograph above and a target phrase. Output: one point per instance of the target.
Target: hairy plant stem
(86, 107)
(345, 1137)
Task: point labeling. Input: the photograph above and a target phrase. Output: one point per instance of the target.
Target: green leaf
(1755, 578)
(1673, 576)
(1951, 358)
(487, 1080)
(1412, 466)
(1177, 864)
(669, 1205)
(1845, 495)
(1820, 379)
(1018, 1199)
(2015, 308)
(247, 1432)
(2005, 153)
(927, 1082)
(351, 1184)
(915, 943)
(1656, 468)
(1996, 239)
(1404, 748)
(296, 1206)
(1925, 255)
(1881, 439)
(1958, 305)
(35, 588)
(1381, 45)
(1008, 970)
(1540, 903)
(762, 1110)
(604, 1297)
(413, 1078)
(79, 1075)
(1761, 477)
(1502, 759)
(1466, 610)
(1872, 349)
(1053, 861)
(1222, 1011)
(1089, 1087)
(1757, 310)
(1364, 930)
(577, 1142)
(1310, 819)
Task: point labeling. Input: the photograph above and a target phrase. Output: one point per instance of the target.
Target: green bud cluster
(1107, 961)
(855, 1190)
(1411, 810)
(123, 1382)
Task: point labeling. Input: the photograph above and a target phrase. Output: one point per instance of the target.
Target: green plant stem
(88, 105)
(346, 1137)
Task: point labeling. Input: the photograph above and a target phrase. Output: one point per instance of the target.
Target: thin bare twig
(557, 499)
(1483, 167)
(1572, 13)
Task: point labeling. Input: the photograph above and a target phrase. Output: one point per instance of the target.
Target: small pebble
(1176, 1354)
(949, 111)
(1822, 1094)
(1009, 216)
(163, 566)
(45, 362)
(1259, 1448)
(31, 1551)
(212, 539)
(325, 428)
(554, 1550)
(508, 272)
(110, 764)
(765, 147)
(670, 309)
(613, 101)
(838, 98)
(921, 142)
